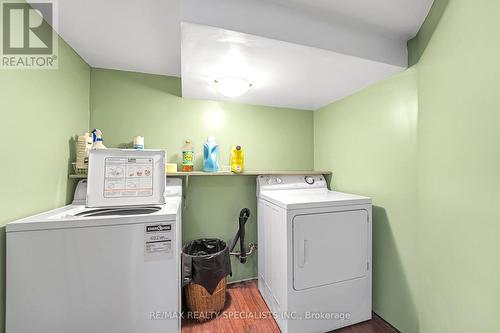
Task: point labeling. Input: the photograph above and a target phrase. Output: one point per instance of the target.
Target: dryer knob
(309, 180)
(278, 180)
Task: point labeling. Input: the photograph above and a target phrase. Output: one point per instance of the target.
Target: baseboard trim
(385, 321)
(242, 280)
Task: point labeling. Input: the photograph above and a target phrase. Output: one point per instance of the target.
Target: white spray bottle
(97, 138)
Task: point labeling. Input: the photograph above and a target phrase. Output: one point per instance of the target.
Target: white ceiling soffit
(300, 26)
(144, 36)
(282, 74)
(131, 35)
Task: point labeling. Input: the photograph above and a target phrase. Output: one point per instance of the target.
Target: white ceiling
(282, 74)
(132, 35)
(399, 17)
(145, 36)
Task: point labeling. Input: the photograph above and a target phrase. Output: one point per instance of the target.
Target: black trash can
(205, 267)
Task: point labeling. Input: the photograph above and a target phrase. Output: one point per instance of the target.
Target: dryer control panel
(287, 182)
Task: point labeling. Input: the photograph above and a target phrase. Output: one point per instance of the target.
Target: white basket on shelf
(79, 170)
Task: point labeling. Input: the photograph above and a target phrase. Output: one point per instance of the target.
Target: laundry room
(249, 166)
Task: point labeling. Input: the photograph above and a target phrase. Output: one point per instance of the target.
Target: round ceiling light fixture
(231, 86)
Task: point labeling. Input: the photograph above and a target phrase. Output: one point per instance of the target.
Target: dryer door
(329, 248)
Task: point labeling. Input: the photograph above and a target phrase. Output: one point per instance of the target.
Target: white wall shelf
(186, 175)
(227, 173)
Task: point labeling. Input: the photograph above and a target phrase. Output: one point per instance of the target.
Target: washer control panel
(309, 180)
(286, 182)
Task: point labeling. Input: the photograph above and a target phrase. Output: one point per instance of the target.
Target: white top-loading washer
(110, 269)
(314, 253)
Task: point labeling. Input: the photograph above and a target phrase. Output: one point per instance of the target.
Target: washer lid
(126, 177)
(79, 216)
(295, 199)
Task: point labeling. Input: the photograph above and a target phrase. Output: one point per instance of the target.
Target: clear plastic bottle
(187, 156)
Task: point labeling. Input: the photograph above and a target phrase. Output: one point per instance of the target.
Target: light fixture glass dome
(231, 86)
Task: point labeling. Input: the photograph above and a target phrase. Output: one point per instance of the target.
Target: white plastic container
(83, 146)
(138, 142)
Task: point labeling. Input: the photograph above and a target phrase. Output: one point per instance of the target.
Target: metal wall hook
(251, 248)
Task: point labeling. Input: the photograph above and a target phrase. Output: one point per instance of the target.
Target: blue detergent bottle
(210, 155)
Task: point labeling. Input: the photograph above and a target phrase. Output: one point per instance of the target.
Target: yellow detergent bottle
(237, 159)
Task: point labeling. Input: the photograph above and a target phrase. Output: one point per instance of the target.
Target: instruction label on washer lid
(128, 177)
(158, 242)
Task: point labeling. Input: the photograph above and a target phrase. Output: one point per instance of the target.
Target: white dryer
(315, 248)
(109, 269)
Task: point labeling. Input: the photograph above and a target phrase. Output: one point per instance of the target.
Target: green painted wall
(369, 141)
(458, 178)
(41, 112)
(433, 177)
(125, 104)
(423, 144)
(418, 44)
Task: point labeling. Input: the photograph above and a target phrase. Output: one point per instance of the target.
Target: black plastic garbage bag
(205, 262)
